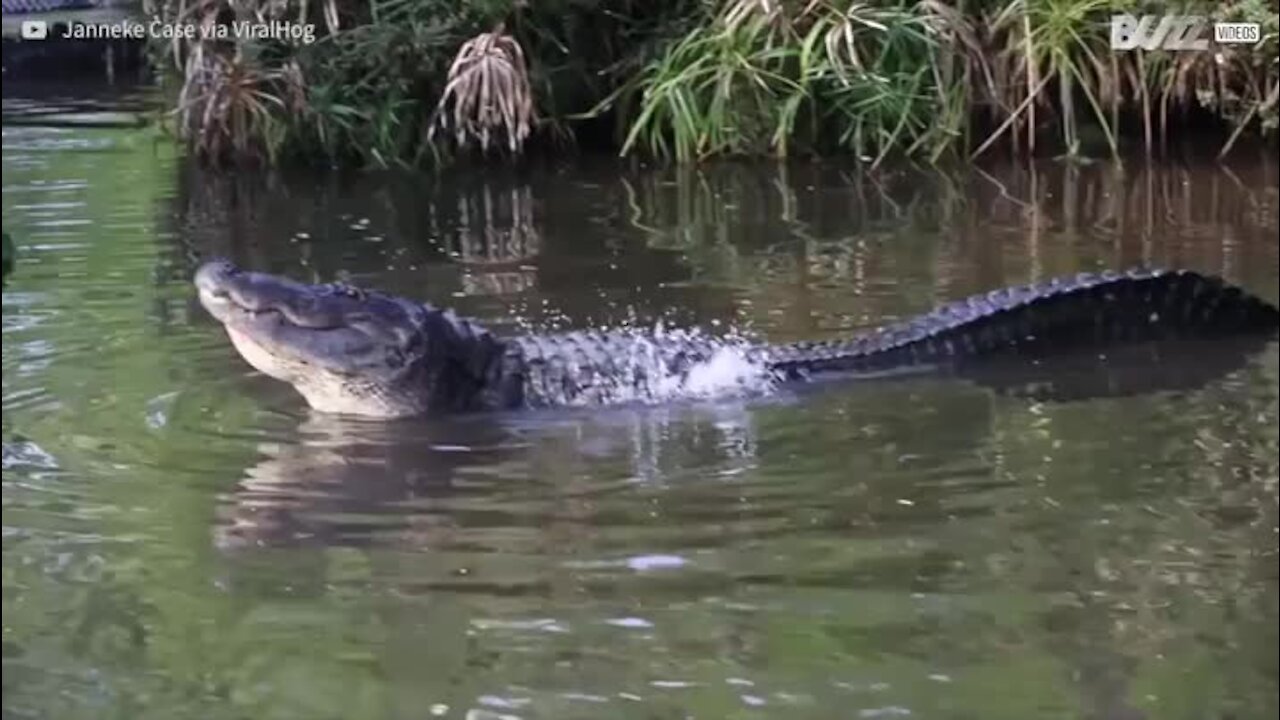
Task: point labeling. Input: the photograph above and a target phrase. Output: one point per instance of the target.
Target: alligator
(361, 352)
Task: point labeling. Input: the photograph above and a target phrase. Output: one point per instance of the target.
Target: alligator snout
(231, 294)
(212, 276)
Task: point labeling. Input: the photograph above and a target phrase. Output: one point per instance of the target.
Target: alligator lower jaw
(260, 356)
(248, 329)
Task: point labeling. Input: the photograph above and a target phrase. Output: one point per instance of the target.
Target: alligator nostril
(214, 277)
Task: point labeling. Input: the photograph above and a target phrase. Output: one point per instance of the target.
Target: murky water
(184, 539)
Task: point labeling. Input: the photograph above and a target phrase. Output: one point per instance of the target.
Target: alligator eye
(410, 340)
(351, 291)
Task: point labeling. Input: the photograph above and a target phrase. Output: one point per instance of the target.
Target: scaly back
(1055, 316)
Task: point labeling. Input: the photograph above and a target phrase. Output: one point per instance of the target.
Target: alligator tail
(1049, 317)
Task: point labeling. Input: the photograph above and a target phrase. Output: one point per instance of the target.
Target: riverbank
(419, 81)
(427, 82)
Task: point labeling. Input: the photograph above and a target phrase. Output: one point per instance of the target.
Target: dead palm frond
(488, 94)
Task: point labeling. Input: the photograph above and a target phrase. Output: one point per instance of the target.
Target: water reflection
(343, 481)
(791, 250)
(818, 245)
(918, 552)
(420, 483)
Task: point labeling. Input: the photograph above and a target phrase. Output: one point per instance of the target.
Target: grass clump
(762, 78)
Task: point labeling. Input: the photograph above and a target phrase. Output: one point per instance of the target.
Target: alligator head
(347, 350)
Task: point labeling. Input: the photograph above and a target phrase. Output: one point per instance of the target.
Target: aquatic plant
(487, 95)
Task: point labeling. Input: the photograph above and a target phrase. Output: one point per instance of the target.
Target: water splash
(730, 368)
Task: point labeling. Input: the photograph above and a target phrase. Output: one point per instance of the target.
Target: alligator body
(352, 351)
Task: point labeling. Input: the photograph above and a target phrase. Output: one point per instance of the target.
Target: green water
(184, 539)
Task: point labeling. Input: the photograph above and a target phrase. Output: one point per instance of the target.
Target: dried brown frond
(488, 94)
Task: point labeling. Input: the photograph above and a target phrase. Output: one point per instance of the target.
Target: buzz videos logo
(1178, 32)
(35, 29)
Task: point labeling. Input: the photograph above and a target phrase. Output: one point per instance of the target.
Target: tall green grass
(757, 79)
